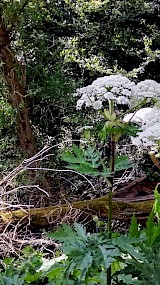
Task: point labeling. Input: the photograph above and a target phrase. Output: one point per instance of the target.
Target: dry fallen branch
(31, 164)
(122, 210)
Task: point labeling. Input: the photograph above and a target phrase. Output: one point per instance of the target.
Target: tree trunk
(14, 76)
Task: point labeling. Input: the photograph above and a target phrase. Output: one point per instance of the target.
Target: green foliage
(122, 162)
(89, 161)
(10, 152)
(110, 36)
(88, 254)
(142, 254)
(6, 116)
(64, 42)
(133, 230)
(134, 258)
(21, 271)
(84, 161)
(118, 129)
(135, 262)
(157, 202)
(125, 35)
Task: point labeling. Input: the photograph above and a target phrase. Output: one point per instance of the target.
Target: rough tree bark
(15, 82)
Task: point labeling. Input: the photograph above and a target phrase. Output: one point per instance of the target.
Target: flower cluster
(147, 89)
(122, 90)
(116, 87)
(150, 126)
(138, 116)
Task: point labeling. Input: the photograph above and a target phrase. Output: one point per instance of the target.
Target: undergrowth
(83, 258)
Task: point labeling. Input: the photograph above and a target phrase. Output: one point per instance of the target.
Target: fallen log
(122, 210)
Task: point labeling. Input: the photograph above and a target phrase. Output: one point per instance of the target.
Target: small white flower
(118, 88)
(126, 92)
(122, 100)
(97, 105)
(101, 90)
(109, 95)
(115, 90)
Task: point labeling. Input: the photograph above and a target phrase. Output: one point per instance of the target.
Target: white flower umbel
(150, 128)
(138, 116)
(116, 87)
(147, 89)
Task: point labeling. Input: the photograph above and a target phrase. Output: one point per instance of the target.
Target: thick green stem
(112, 163)
(112, 166)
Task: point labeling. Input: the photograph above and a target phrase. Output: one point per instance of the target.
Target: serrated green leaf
(32, 277)
(150, 227)
(156, 234)
(129, 280)
(8, 260)
(81, 231)
(69, 157)
(122, 162)
(133, 230)
(108, 255)
(86, 262)
(84, 169)
(130, 246)
(56, 272)
(92, 156)
(79, 152)
(64, 232)
(83, 161)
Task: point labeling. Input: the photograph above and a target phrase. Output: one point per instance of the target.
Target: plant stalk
(112, 169)
(112, 164)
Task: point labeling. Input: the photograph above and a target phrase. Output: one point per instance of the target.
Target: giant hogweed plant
(105, 95)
